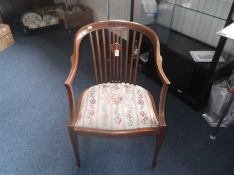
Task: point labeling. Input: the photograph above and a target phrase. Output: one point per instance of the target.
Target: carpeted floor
(33, 119)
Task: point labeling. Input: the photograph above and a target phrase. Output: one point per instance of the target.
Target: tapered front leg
(74, 141)
(160, 135)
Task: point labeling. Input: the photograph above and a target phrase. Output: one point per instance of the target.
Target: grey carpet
(33, 119)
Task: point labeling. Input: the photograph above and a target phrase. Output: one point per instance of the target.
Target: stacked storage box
(77, 18)
(6, 38)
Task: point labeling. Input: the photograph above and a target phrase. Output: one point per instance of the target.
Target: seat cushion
(116, 106)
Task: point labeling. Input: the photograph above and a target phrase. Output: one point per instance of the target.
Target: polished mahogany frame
(125, 70)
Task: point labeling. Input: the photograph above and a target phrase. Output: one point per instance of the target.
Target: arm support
(70, 93)
(158, 65)
(162, 104)
(69, 81)
(166, 83)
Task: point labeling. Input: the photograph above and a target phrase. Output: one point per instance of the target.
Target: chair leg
(74, 142)
(159, 141)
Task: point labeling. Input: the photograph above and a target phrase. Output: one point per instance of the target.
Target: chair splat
(111, 52)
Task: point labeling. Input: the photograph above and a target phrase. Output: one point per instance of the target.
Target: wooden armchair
(115, 106)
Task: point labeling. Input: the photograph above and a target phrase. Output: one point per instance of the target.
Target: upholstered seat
(116, 106)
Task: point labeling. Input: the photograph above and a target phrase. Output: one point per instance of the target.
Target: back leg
(74, 142)
(159, 141)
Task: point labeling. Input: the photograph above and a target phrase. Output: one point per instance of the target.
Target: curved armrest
(158, 65)
(162, 104)
(70, 93)
(71, 103)
(166, 83)
(162, 74)
(72, 73)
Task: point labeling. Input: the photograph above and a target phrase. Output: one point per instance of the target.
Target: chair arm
(70, 92)
(163, 93)
(162, 104)
(161, 72)
(158, 64)
(71, 103)
(72, 73)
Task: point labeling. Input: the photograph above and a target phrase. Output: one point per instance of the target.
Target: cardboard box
(4, 29)
(6, 38)
(76, 19)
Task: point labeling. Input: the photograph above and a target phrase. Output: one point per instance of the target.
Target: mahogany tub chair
(115, 106)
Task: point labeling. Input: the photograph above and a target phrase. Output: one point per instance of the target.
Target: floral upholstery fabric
(116, 106)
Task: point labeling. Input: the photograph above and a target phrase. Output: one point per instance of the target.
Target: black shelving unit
(191, 81)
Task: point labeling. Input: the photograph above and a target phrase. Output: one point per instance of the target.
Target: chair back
(116, 48)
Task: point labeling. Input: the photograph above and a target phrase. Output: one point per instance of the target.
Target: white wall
(199, 25)
(164, 10)
(99, 8)
(140, 15)
(118, 9)
(219, 8)
(186, 18)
